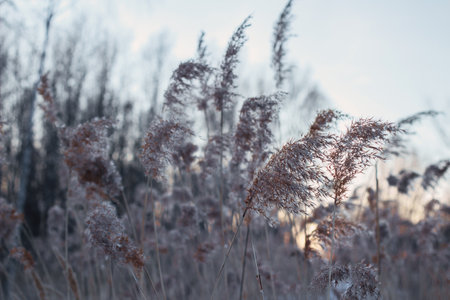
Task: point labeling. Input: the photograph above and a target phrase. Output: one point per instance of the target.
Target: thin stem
(151, 282)
(205, 114)
(227, 254)
(330, 263)
(156, 241)
(377, 221)
(111, 279)
(294, 239)
(305, 249)
(144, 212)
(272, 282)
(66, 249)
(244, 259)
(130, 220)
(143, 221)
(304, 232)
(221, 192)
(222, 232)
(258, 275)
(137, 284)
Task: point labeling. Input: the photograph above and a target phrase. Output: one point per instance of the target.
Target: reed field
(205, 194)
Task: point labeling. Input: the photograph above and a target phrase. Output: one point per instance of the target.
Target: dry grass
(165, 223)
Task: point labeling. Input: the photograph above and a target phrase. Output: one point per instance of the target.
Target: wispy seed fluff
(159, 145)
(106, 233)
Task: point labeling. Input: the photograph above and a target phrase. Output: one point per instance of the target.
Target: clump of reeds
(190, 215)
(86, 154)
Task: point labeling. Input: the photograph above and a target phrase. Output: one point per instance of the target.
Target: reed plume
(354, 151)
(106, 233)
(280, 37)
(252, 138)
(158, 146)
(180, 92)
(357, 281)
(434, 172)
(294, 179)
(227, 72)
(86, 152)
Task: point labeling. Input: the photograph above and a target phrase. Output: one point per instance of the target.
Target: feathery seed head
(106, 233)
(280, 37)
(158, 147)
(227, 76)
(182, 83)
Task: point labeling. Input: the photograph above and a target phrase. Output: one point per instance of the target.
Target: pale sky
(386, 59)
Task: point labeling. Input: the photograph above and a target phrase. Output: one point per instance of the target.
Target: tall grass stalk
(244, 260)
(377, 221)
(228, 253)
(330, 262)
(269, 256)
(155, 230)
(258, 275)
